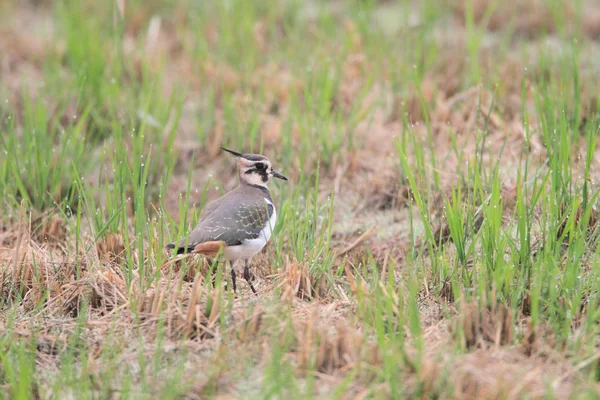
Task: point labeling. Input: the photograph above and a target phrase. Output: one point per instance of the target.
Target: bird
(238, 224)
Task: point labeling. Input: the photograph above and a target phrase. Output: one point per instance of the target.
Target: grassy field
(438, 236)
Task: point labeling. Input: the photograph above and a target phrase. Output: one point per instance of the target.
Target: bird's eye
(259, 166)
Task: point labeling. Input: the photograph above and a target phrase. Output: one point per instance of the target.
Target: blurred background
(298, 79)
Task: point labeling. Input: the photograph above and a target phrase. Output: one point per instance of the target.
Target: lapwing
(240, 223)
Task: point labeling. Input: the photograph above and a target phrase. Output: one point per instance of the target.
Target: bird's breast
(251, 247)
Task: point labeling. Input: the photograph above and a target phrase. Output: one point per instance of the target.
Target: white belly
(250, 248)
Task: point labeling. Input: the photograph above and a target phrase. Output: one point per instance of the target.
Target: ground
(437, 237)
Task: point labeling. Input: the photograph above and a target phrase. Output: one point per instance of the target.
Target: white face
(255, 172)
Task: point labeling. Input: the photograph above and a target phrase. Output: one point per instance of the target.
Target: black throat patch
(263, 173)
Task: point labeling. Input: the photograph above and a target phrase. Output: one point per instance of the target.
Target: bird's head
(255, 169)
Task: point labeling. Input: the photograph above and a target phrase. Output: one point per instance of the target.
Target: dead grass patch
(297, 281)
(30, 271)
(483, 326)
(387, 190)
(333, 350)
(506, 373)
(49, 229)
(530, 18)
(111, 248)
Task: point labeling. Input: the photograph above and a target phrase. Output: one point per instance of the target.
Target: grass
(441, 215)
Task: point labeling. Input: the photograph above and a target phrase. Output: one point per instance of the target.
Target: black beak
(235, 153)
(278, 175)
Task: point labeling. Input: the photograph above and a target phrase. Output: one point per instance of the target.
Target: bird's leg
(231, 264)
(247, 275)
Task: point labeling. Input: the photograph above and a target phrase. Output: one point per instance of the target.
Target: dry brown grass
(482, 325)
(47, 281)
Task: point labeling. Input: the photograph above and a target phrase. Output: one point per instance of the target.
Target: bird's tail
(180, 250)
(209, 249)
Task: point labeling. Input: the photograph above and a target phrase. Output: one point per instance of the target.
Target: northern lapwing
(240, 223)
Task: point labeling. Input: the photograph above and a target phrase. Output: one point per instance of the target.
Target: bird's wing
(207, 210)
(232, 222)
(211, 207)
